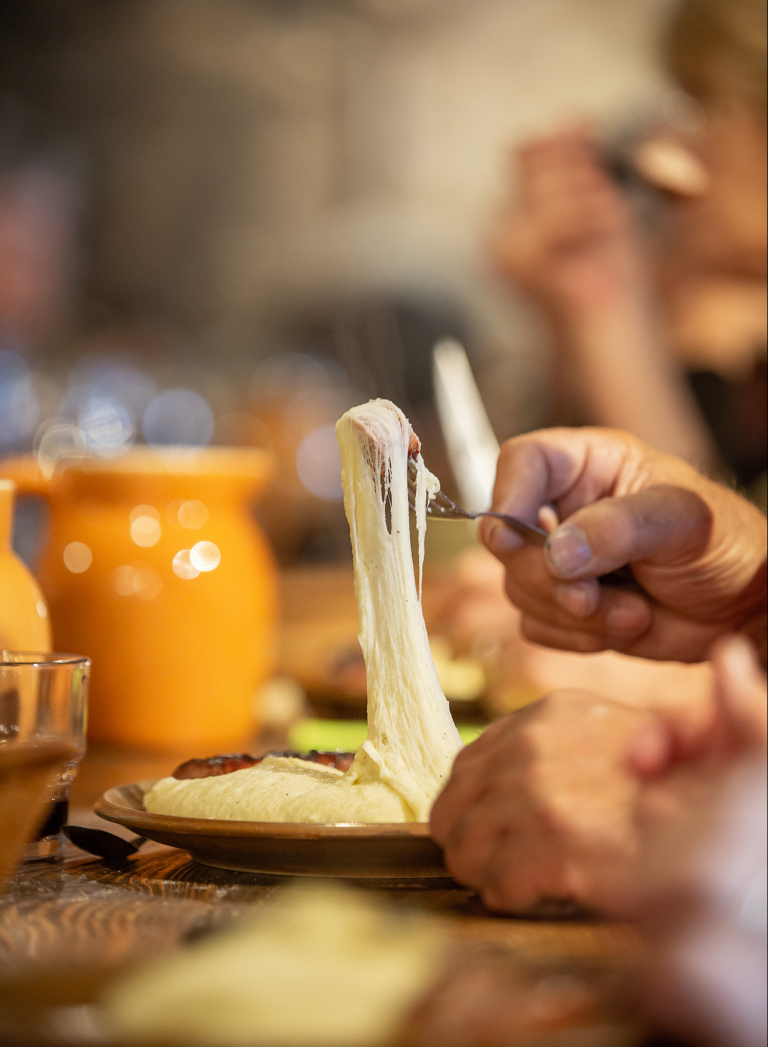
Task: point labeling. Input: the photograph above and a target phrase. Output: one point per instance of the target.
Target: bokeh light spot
(150, 583)
(144, 510)
(125, 581)
(318, 463)
(77, 557)
(205, 556)
(146, 531)
(183, 566)
(138, 580)
(178, 416)
(193, 515)
(107, 427)
(172, 511)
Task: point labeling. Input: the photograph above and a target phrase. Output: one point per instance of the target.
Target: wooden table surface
(86, 914)
(67, 927)
(84, 910)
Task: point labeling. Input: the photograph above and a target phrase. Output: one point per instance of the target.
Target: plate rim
(113, 808)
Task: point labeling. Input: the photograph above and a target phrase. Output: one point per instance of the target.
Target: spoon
(101, 843)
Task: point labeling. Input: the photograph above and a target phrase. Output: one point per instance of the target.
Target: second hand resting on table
(543, 805)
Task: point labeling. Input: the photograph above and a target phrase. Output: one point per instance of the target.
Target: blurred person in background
(634, 309)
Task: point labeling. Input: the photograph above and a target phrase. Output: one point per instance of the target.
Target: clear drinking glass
(43, 703)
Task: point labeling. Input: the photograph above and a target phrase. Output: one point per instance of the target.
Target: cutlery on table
(102, 844)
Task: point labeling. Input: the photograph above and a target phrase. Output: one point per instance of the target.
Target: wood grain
(67, 928)
(84, 910)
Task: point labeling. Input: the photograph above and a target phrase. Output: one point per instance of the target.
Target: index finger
(552, 465)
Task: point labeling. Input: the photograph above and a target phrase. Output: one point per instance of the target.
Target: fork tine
(442, 500)
(442, 505)
(439, 506)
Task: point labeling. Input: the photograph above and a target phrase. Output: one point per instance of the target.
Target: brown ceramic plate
(357, 852)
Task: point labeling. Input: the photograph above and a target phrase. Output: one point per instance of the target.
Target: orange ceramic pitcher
(155, 570)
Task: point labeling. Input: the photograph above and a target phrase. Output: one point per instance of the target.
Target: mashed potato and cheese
(412, 741)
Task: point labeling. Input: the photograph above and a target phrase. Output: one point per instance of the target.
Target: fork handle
(535, 535)
(623, 578)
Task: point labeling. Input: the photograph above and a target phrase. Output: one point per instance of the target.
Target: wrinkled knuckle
(555, 708)
(557, 819)
(466, 831)
(530, 742)
(460, 867)
(553, 808)
(481, 824)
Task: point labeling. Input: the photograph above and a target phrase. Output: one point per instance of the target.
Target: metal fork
(442, 508)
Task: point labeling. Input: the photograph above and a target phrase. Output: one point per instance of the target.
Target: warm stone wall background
(246, 160)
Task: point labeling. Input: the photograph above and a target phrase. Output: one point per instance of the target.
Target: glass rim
(40, 659)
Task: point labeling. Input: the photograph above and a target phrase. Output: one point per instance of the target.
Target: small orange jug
(154, 568)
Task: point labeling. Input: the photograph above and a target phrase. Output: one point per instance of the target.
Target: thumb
(663, 525)
(740, 689)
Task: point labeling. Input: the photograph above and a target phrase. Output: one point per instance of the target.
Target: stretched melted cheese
(412, 741)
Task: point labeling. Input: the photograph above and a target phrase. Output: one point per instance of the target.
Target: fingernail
(568, 550)
(504, 540)
(580, 599)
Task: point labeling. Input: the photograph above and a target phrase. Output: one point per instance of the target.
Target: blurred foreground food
(321, 966)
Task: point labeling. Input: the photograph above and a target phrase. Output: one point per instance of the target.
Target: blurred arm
(569, 242)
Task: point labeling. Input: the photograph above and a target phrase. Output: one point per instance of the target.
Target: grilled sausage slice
(216, 765)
